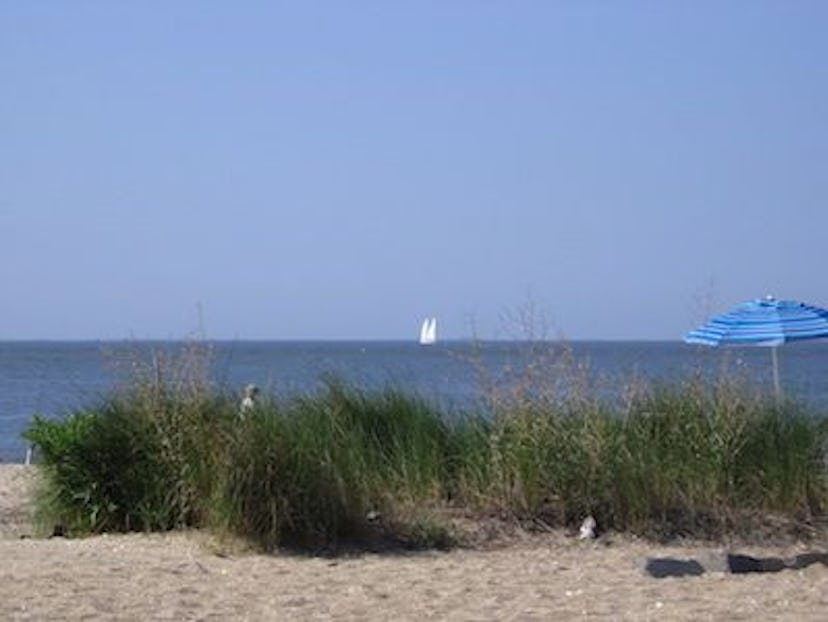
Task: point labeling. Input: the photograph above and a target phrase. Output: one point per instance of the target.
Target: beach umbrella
(765, 322)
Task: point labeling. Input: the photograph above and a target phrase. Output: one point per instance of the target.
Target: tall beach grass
(344, 464)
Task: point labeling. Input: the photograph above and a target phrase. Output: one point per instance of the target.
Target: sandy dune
(187, 576)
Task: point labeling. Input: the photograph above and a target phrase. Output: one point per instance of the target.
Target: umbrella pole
(776, 373)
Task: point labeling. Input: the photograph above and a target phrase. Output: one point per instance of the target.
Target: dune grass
(679, 460)
(327, 467)
(343, 464)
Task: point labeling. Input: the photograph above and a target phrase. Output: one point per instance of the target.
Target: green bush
(120, 468)
(106, 472)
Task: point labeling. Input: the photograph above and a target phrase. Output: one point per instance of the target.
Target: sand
(189, 576)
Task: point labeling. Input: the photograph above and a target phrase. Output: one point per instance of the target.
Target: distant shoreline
(343, 340)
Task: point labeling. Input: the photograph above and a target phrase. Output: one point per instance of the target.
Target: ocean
(55, 378)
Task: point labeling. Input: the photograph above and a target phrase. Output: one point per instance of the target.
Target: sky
(340, 170)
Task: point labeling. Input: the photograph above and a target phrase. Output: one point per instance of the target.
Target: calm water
(52, 378)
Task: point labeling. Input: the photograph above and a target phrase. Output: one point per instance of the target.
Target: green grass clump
(717, 462)
(120, 468)
(317, 470)
(143, 460)
(326, 467)
(677, 460)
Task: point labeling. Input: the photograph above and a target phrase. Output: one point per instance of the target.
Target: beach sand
(190, 576)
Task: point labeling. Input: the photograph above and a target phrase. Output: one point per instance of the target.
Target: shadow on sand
(661, 567)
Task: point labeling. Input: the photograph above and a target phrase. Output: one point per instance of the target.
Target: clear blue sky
(342, 169)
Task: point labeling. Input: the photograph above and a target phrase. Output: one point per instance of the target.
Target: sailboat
(428, 331)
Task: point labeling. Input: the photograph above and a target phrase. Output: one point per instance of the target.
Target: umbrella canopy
(767, 322)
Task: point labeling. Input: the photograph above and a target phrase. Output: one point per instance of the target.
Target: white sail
(432, 330)
(424, 331)
(428, 331)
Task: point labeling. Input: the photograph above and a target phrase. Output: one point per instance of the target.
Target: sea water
(55, 378)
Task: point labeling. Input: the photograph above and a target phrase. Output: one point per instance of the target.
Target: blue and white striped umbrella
(767, 322)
